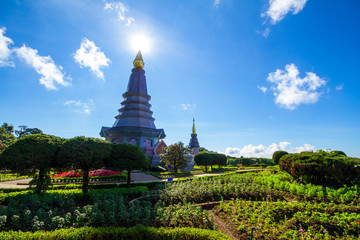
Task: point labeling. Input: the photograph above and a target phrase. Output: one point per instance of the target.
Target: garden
(310, 195)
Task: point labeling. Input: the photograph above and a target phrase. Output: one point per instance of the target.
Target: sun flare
(140, 42)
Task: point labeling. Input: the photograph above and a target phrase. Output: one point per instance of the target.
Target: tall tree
(174, 155)
(84, 153)
(127, 157)
(24, 130)
(34, 154)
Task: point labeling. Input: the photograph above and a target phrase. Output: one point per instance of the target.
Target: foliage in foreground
(135, 233)
(98, 208)
(284, 220)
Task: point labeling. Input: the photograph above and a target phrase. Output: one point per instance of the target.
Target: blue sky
(257, 76)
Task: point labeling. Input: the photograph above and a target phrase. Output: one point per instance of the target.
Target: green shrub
(135, 233)
(277, 155)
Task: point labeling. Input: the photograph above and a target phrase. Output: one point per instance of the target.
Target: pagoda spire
(193, 128)
(138, 62)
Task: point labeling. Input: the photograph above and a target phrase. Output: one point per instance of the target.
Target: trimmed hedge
(135, 233)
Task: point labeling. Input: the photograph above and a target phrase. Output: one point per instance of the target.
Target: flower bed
(93, 173)
(99, 175)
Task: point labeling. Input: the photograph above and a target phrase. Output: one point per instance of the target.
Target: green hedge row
(134, 233)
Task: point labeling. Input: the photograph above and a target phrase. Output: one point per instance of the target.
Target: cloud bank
(51, 75)
(261, 151)
(89, 55)
(290, 90)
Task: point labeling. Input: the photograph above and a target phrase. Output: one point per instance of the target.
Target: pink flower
(301, 230)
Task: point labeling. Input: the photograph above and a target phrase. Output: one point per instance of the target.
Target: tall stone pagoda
(194, 143)
(135, 123)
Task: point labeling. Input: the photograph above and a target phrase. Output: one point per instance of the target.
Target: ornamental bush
(322, 168)
(277, 155)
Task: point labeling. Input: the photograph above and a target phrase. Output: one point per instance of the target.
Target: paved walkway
(135, 177)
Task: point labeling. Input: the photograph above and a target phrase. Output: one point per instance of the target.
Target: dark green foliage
(277, 155)
(209, 159)
(322, 168)
(203, 159)
(245, 162)
(6, 136)
(338, 153)
(84, 153)
(174, 155)
(24, 130)
(127, 157)
(135, 233)
(33, 154)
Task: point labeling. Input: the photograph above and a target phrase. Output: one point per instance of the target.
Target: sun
(140, 42)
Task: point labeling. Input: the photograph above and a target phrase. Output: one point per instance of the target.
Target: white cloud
(89, 55)
(266, 32)
(305, 147)
(187, 107)
(45, 66)
(261, 151)
(278, 9)
(216, 3)
(120, 10)
(80, 107)
(5, 51)
(340, 87)
(262, 88)
(290, 90)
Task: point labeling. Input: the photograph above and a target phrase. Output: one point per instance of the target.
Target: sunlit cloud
(51, 74)
(80, 107)
(5, 51)
(262, 151)
(290, 90)
(89, 55)
(216, 3)
(120, 9)
(278, 9)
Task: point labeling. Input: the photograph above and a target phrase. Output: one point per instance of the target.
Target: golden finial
(193, 130)
(138, 62)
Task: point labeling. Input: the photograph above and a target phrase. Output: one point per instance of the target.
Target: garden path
(135, 177)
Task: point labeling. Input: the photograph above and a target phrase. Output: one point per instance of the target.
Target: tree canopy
(127, 157)
(210, 158)
(34, 154)
(24, 130)
(84, 153)
(277, 155)
(174, 156)
(322, 168)
(6, 136)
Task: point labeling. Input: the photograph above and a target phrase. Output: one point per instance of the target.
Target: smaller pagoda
(194, 143)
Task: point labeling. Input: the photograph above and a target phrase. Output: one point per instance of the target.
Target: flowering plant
(93, 173)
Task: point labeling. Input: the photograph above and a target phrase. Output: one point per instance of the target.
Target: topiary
(277, 155)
